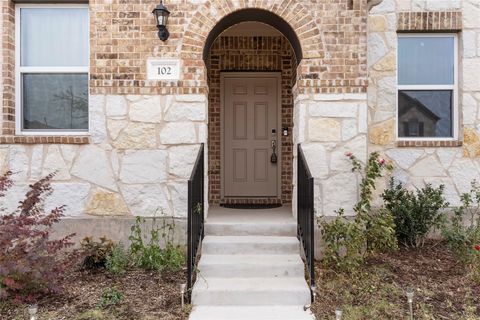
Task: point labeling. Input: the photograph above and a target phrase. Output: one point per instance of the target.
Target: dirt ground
(144, 296)
(442, 288)
(376, 291)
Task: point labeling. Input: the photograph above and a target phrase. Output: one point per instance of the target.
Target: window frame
(19, 70)
(453, 88)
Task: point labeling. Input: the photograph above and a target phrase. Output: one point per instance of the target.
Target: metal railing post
(306, 216)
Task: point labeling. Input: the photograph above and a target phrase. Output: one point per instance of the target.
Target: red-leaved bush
(31, 264)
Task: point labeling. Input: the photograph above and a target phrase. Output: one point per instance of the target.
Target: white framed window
(52, 64)
(427, 86)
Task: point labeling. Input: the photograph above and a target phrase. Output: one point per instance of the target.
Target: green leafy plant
(31, 264)
(462, 230)
(110, 297)
(347, 241)
(117, 261)
(415, 213)
(146, 249)
(344, 242)
(96, 252)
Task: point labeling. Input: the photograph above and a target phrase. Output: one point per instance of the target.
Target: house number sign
(163, 69)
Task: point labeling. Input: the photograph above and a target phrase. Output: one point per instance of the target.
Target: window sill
(429, 143)
(45, 139)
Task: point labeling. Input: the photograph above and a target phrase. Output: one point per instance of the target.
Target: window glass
(55, 101)
(54, 37)
(426, 60)
(425, 113)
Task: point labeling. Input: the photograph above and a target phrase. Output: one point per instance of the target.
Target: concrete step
(288, 229)
(250, 245)
(250, 291)
(250, 313)
(248, 266)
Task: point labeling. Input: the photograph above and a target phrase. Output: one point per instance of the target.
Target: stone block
(71, 195)
(404, 157)
(428, 167)
(471, 68)
(146, 200)
(93, 165)
(137, 135)
(339, 191)
(317, 159)
(324, 129)
(116, 106)
(144, 166)
(181, 160)
(349, 129)
(54, 162)
(182, 111)
(178, 133)
(333, 109)
(383, 133)
(105, 203)
(377, 48)
(147, 109)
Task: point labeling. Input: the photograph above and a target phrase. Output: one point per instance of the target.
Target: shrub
(117, 261)
(415, 213)
(462, 232)
(148, 253)
(96, 252)
(347, 242)
(110, 297)
(30, 263)
(344, 242)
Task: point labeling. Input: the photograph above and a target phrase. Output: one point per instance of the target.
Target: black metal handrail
(305, 216)
(196, 217)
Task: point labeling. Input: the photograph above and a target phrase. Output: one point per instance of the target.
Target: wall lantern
(161, 16)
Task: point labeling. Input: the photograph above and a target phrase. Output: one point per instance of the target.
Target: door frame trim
(256, 74)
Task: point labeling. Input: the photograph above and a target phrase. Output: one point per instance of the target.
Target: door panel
(250, 114)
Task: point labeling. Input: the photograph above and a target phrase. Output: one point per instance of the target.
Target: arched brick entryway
(257, 53)
(331, 37)
(294, 13)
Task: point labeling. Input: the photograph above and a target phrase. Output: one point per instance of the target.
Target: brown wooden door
(250, 125)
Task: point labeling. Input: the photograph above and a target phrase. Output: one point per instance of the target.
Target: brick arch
(296, 15)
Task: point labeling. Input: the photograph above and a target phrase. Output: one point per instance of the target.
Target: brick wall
(242, 53)
(425, 21)
(8, 70)
(332, 35)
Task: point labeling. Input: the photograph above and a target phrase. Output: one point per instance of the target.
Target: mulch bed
(443, 289)
(145, 296)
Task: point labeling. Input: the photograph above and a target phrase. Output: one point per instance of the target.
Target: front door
(251, 158)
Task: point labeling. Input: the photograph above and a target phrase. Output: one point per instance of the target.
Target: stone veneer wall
(145, 134)
(453, 164)
(243, 53)
(328, 126)
(140, 157)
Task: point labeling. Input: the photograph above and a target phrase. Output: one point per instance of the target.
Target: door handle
(273, 158)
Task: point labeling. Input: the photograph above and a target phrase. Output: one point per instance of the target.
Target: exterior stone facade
(137, 164)
(145, 134)
(452, 163)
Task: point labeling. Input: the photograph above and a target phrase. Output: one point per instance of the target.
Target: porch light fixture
(161, 17)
